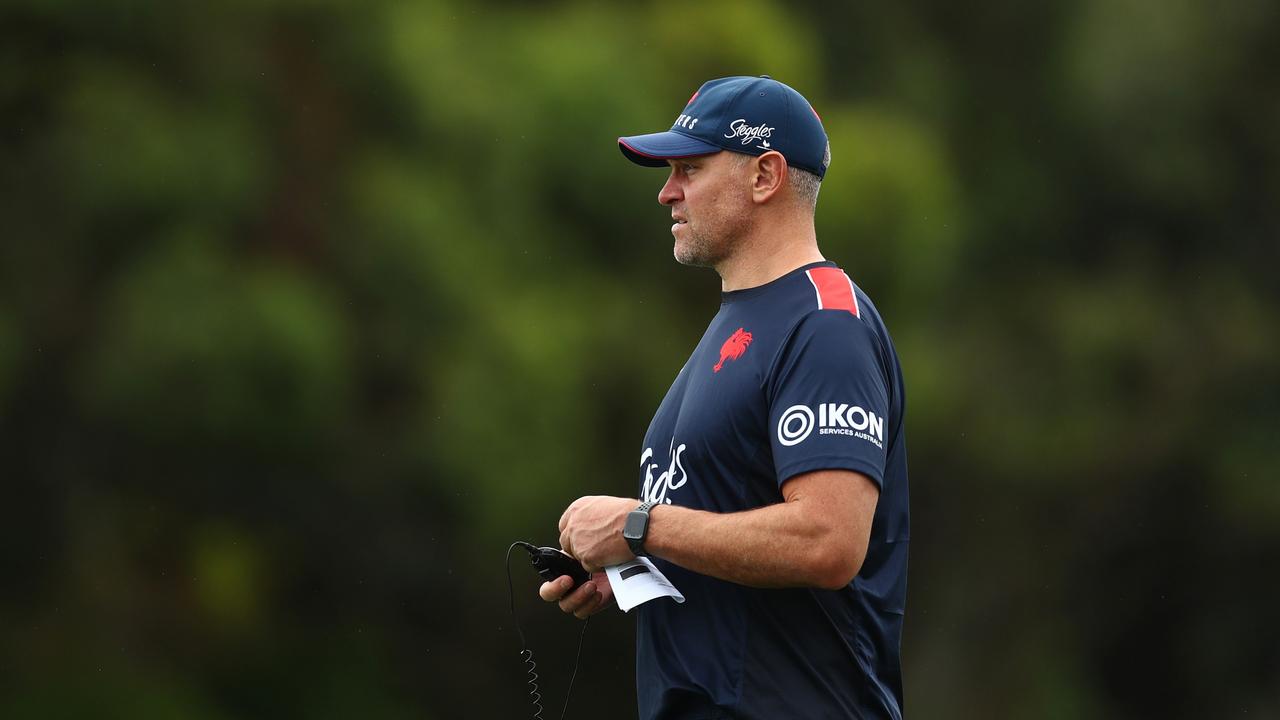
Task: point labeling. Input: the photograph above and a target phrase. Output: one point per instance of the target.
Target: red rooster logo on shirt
(733, 347)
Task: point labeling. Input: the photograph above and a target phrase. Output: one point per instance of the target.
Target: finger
(555, 589)
(564, 542)
(579, 598)
(591, 608)
(574, 600)
(600, 603)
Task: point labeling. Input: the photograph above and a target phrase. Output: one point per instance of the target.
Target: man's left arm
(816, 537)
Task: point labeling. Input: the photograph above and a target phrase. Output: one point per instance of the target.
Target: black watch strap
(637, 527)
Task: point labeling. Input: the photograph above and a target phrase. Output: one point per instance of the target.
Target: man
(773, 480)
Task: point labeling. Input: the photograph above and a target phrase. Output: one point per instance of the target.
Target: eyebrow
(695, 161)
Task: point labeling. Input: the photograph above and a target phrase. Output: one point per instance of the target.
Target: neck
(771, 251)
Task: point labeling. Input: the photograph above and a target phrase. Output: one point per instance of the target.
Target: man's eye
(686, 167)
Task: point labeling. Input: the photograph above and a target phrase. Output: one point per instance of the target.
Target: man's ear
(769, 175)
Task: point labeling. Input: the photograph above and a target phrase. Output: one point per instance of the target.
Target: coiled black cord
(526, 654)
(534, 696)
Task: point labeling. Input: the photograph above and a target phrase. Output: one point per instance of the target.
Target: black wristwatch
(637, 527)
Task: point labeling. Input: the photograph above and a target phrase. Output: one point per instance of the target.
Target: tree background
(308, 308)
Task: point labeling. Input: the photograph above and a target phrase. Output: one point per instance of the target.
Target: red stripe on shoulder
(834, 288)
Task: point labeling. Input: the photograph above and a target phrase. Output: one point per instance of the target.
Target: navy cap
(751, 115)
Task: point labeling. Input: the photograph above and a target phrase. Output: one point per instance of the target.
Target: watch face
(634, 527)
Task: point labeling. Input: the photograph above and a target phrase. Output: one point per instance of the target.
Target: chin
(692, 257)
(681, 255)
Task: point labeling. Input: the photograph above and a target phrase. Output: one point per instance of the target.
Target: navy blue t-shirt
(792, 376)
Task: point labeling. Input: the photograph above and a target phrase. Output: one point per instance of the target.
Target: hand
(591, 530)
(588, 599)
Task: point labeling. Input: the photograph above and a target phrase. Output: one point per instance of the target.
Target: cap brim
(655, 149)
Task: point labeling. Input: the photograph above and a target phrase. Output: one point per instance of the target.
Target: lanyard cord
(526, 654)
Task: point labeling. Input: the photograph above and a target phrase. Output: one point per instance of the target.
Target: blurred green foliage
(309, 307)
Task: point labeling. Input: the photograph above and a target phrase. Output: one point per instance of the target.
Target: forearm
(778, 545)
(817, 537)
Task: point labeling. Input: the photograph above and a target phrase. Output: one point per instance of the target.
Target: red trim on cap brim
(642, 153)
(655, 159)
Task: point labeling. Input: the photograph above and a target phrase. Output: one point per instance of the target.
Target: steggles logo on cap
(739, 129)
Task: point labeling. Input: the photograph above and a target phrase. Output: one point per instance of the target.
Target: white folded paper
(637, 582)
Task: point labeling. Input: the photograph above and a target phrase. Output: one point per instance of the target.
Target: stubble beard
(709, 244)
(699, 250)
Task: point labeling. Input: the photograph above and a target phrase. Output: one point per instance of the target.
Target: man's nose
(670, 191)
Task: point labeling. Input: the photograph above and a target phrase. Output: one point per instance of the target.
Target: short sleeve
(828, 399)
